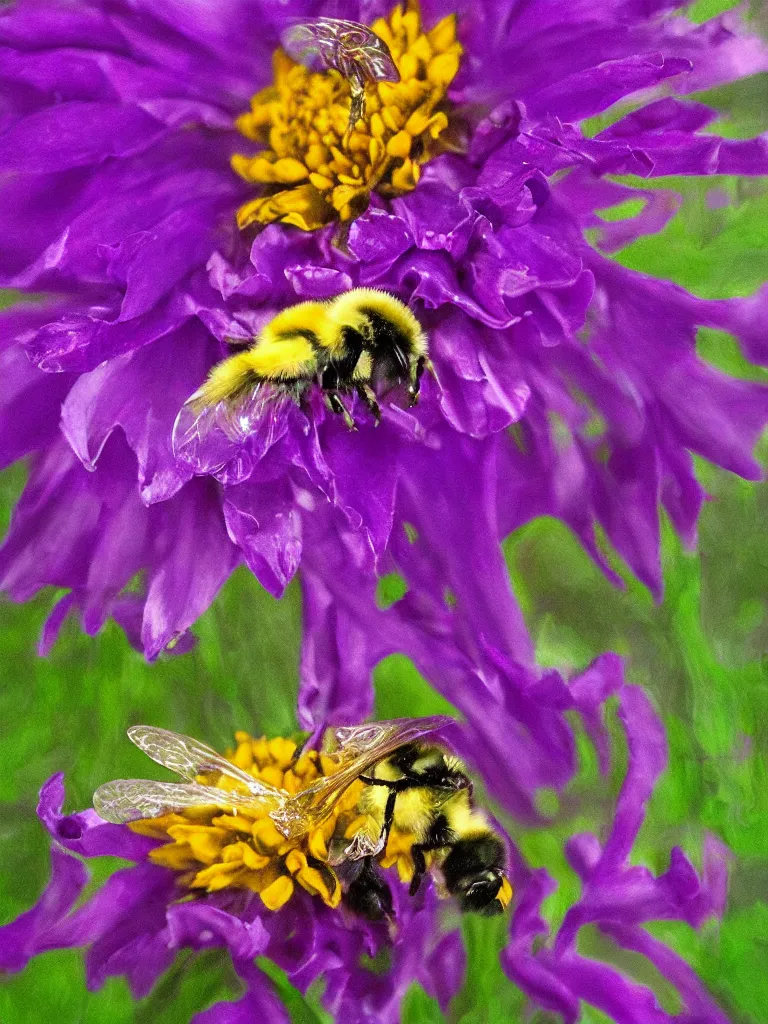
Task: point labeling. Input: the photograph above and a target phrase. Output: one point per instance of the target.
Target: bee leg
(415, 386)
(440, 835)
(389, 816)
(366, 393)
(368, 894)
(389, 809)
(420, 865)
(336, 405)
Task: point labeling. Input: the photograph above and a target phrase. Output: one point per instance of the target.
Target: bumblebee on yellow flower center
(316, 167)
(213, 850)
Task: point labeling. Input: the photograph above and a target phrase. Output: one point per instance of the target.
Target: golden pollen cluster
(315, 170)
(213, 849)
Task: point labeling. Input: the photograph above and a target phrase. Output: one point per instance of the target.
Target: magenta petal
(194, 558)
(589, 92)
(85, 833)
(76, 133)
(142, 393)
(445, 969)
(264, 523)
(197, 924)
(28, 934)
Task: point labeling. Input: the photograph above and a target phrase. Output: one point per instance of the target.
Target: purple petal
(445, 969)
(595, 89)
(257, 1004)
(647, 760)
(264, 523)
(85, 833)
(142, 393)
(31, 400)
(698, 1002)
(75, 133)
(28, 934)
(198, 925)
(194, 558)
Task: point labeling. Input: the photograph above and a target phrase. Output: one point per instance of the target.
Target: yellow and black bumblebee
(363, 341)
(424, 793)
(275, 816)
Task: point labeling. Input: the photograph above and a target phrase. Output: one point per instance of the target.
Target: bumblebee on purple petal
(364, 341)
(273, 815)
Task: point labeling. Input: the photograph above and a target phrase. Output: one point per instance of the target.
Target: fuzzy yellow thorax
(316, 171)
(213, 849)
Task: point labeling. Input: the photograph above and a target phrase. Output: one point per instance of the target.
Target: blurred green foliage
(700, 653)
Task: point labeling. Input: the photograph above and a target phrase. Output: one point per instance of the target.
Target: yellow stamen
(213, 848)
(278, 893)
(313, 169)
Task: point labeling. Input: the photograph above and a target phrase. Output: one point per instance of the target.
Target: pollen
(214, 849)
(315, 167)
(504, 894)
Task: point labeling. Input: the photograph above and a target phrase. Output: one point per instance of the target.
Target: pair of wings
(357, 749)
(347, 46)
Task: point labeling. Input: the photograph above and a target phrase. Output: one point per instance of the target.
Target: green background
(700, 653)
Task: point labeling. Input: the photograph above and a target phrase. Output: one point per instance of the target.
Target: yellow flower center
(214, 849)
(314, 169)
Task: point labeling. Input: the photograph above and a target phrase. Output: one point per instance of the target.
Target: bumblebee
(364, 341)
(424, 792)
(324, 820)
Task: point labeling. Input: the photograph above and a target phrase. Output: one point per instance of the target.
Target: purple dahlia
(136, 135)
(136, 924)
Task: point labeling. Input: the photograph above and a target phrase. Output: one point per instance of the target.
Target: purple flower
(136, 923)
(119, 203)
(564, 385)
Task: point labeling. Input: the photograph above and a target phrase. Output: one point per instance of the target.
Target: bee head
(474, 872)
(479, 893)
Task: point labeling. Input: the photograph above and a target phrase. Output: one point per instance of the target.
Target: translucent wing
(359, 747)
(348, 46)
(228, 439)
(189, 757)
(132, 799)
(363, 845)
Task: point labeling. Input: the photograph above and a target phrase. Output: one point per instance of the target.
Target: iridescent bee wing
(189, 758)
(133, 799)
(364, 844)
(228, 438)
(372, 737)
(359, 748)
(352, 49)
